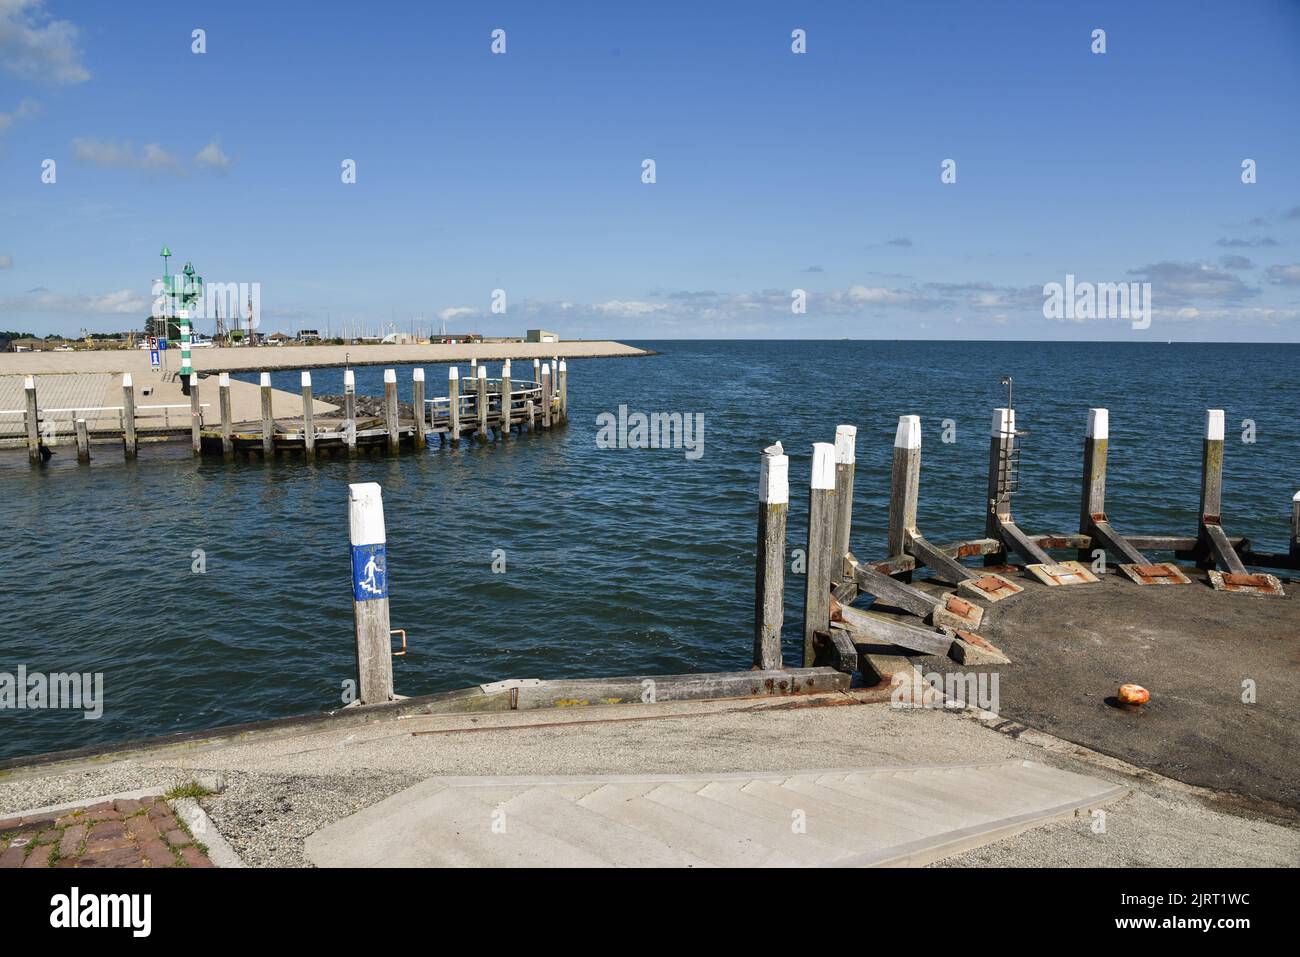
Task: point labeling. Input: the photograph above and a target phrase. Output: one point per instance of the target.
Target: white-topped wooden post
(453, 403)
(350, 412)
(268, 420)
(1295, 530)
(196, 415)
(482, 405)
(1212, 541)
(1002, 446)
(390, 411)
(417, 406)
(308, 420)
(530, 413)
(546, 395)
(564, 390)
(370, 593)
(505, 400)
(769, 569)
(227, 427)
(904, 483)
(1092, 504)
(821, 522)
(83, 442)
(32, 418)
(846, 444)
(128, 416)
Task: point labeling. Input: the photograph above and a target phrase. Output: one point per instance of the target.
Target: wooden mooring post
(817, 557)
(268, 420)
(846, 441)
(564, 390)
(350, 412)
(546, 395)
(417, 407)
(227, 428)
(904, 483)
(1212, 545)
(128, 416)
(1295, 530)
(769, 585)
(999, 523)
(196, 416)
(308, 420)
(481, 400)
(368, 542)
(453, 403)
(83, 442)
(32, 418)
(390, 412)
(1092, 504)
(505, 400)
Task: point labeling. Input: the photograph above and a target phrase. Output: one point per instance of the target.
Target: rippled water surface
(618, 561)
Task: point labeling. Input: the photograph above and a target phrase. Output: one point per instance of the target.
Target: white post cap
(1296, 497)
(366, 514)
(266, 380)
(846, 443)
(453, 373)
(823, 465)
(126, 380)
(564, 366)
(1004, 421)
(29, 382)
(536, 363)
(306, 380)
(1098, 423)
(1214, 425)
(774, 476)
(908, 435)
(390, 375)
(417, 375)
(194, 378)
(482, 372)
(223, 380)
(505, 369)
(349, 379)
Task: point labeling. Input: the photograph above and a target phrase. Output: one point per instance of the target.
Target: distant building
(278, 338)
(309, 335)
(541, 335)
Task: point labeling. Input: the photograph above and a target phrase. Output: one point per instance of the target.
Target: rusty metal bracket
(1160, 573)
(989, 587)
(1061, 573)
(1262, 585)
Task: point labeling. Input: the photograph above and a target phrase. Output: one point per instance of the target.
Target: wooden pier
(482, 410)
(942, 615)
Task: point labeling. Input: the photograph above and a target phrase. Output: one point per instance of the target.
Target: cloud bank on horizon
(676, 172)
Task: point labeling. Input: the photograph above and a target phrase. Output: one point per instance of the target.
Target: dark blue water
(618, 561)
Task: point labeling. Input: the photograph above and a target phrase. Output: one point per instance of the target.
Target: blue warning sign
(369, 572)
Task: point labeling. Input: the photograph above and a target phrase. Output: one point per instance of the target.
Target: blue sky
(775, 171)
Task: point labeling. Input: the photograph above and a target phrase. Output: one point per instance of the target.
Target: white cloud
(26, 107)
(1285, 275)
(35, 46)
(108, 155)
(6, 262)
(119, 303)
(455, 312)
(212, 157)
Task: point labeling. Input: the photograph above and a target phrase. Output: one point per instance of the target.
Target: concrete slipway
(290, 796)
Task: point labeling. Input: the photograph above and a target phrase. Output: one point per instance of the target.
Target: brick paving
(123, 833)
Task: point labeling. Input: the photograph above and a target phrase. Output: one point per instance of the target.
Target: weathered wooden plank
(938, 561)
(1018, 542)
(867, 629)
(892, 592)
(1223, 551)
(836, 649)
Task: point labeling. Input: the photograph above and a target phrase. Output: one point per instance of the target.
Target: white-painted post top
(194, 378)
(29, 383)
(349, 381)
(823, 466)
(266, 380)
(366, 514)
(453, 373)
(223, 380)
(1098, 424)
(1296, 497)
(1004, 421)
(908, 435)
(482, 372)
(505, 369)
(774, 476)
(306, 380)
(417, 375)
(1214, 425)
(390, 375)
(564, 365)
(846, 444)
(126, 380)
(536, 363)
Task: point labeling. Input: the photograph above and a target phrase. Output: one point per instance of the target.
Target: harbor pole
(33, 422)
(128, 416)
(227, 442)
(546, 395)
(350, 412)
(904, 483)
(453, 403)
(1295, 530)
(268, 421)
(564, 391)
(370, 593)
(1211, 541)
(846, 441)
(530, 411)
(505, 400)
(390, 411)
(308, 420)
(769, 585)
(417, 404)
(196, 416)
(482, 405)
(1002, 446)
(821, 520)
(83, 442)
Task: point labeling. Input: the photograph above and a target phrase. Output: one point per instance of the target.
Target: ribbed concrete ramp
(864, 817)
